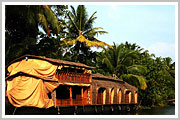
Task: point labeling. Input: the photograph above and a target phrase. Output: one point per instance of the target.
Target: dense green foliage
(23, 24)
(155, 76)
(60, 33)
(120, 61)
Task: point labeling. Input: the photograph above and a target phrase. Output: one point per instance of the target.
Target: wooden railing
(63, 102)
(69, 102)
(72, 76)
(80, 101)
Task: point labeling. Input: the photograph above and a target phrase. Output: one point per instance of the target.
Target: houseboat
(40, 85)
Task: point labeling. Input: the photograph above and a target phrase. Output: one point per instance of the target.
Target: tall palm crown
(80, 29)
(80, 36)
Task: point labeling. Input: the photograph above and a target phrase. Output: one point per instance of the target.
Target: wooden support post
(90, 78)
(58, 110)
(85, 92)
(70, 91)
(54, 97)
(82, 96)
(75, 110)
(90, 92)
(96, 111)
(102, 108)
(109, 98)
(14, 111)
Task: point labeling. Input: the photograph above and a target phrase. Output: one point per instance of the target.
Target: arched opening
(135, 97)
(112, 96)
(101, 97)
(128, 97)
(119, 96)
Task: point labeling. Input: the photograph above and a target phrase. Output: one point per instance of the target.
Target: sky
(150, 26)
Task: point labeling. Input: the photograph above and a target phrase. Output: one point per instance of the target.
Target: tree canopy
(22, 27)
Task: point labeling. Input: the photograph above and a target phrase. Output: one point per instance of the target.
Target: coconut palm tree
(43, 15)
(80, 29)
(120, 62)
(81, 36)
(22, 27)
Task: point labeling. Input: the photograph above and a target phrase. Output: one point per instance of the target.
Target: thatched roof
(128, 86)
(100, 76)
(54, 61)
(109, 81)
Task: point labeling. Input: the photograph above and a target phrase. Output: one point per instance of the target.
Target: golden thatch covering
(30, 91)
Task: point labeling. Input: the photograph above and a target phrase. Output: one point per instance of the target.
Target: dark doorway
(62, 92)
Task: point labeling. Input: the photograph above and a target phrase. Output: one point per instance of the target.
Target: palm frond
(135, 69)
(90, 19)
(96, 33)
(44, 22)
(72, 21)
(108, 63)
(68, 42)
(31, 15)
(129, 55)
(120, 67)
(139, 81)
(91, 30)
(103, 43)
(81, 17)
(73, 11)
(51, 18)
(81, 38)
